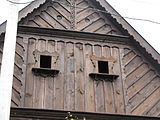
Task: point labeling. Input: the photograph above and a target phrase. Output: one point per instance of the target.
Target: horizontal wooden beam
(74, 34)
(60, 115)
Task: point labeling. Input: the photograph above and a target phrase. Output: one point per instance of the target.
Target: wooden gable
(80, 15)
(64, 31)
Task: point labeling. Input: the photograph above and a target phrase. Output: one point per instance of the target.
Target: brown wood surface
(135, 91)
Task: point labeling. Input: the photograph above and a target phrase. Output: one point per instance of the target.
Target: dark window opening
(45, 61)
(103, 67)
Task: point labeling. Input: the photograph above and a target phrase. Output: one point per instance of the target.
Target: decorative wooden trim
(103, 76)
(45, 72)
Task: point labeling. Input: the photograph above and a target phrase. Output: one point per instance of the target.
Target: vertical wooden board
(79, 78)
(49, 81)
(24, 42)
(69, 84)
(117, 84)
(99, 84)
(108, 86)
(59, 80)
(29, 85)
(38, 80)
(89, 86)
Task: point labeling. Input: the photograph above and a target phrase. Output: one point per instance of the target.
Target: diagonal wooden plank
(154, 110)
(133, 64)
(32, 23)
(93, 25)
(53, 14)
(38, 20)
(141, 83)
(146, 92)
(87, 21)
(136, 74)
(150, 101)
(128, 55)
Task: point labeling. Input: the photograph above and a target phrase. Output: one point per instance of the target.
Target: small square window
(103, 67)
(45, 61)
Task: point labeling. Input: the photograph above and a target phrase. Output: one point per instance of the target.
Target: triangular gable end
(80, 15)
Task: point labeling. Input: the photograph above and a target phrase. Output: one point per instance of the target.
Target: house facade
(81, 55)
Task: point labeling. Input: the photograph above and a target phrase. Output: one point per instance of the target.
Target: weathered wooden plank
(32, 23)
(136, 74)
(154, 111)
(29, 89)
(147, 103)
(79, 81)
(82, 15)
(19, 60)
(47, 18)
(133, 64)
(41, 22)
(141, 83)
(94, 25)
(142, 95)
(103, 29)
(82, 4)
(89, 86)
(13, 104)
(99, 85)
(63, 10)
(108, 86)
(55, 22)
(83, 23)
(23, 41)
(17, 84)
(16, 98)
(49, 81)
(18, 72)
(69, 102)
(117, 84)
(128, 55)
(19, 48)
(39, 81)
(59, 80)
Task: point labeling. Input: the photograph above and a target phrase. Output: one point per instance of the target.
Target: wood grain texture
(61, 15)
(143, 85)
(73, 89)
